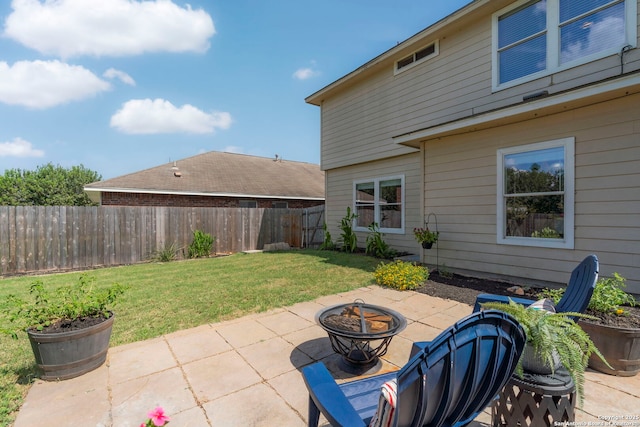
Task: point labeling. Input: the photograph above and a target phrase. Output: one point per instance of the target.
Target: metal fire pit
(360, 333)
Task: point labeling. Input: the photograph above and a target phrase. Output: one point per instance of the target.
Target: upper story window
(535, 194)
(539, 37)
(248, 204)
(280, 205)
(379, 200)
(420, 55)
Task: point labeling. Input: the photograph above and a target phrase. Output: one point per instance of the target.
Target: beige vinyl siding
(460, 187)
(361, 115)
(340, 195)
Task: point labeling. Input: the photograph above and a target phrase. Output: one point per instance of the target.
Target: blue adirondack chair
(576, 297)
(447, 382)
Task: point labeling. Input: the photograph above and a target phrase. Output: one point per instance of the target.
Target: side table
(535, 400)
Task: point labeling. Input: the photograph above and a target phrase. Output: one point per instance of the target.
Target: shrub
(327, 244)
(47, 305)
(348, 236)
(166, 254)
(201, 245)
(376, 246)
(608, 296)
(400, 275)
(546, 233)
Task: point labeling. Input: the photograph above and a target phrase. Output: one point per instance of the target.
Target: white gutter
(194, 193)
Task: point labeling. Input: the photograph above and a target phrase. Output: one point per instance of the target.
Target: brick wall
(138, 199)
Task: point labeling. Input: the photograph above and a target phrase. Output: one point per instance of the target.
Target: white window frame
(376, 204)
(567, 241)
(436, 52)
(553, 43)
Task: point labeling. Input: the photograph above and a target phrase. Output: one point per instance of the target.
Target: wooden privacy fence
(51, 238)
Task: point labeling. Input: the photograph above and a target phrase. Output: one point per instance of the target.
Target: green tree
(48, 185)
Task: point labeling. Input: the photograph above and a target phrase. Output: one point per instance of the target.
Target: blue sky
(124, 85)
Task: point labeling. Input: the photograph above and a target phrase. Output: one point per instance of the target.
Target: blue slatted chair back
(458, 374)
(580, 287)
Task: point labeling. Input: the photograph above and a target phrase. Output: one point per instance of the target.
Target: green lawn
(166, 297)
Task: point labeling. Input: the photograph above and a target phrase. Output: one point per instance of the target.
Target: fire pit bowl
(360, 333)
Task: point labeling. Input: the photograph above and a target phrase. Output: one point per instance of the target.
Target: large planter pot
(70, 354)
(619, 346)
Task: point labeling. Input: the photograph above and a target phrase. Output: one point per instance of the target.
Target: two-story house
(513, 125)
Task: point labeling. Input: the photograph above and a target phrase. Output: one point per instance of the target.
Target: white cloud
(68, 28)
(595, 37)
(305, 73)
(44, 84)
(19, 148)
(146, 116)
(125, 78)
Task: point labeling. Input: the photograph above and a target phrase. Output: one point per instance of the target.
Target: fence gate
(313, 222)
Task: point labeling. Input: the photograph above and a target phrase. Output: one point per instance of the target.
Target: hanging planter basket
(427, 245)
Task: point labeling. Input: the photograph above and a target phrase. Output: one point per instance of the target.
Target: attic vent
(420, 55)
(175, 170)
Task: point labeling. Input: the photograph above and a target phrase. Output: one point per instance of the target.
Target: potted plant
(426, 237)
(553, 340)
(68, 327)
(614, 326)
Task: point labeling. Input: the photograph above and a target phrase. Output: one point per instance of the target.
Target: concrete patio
(246, 372)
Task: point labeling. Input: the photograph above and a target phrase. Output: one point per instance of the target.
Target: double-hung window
(535, 194)
(379, 200)
(538, 37)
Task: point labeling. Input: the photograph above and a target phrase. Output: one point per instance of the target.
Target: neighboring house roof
(222, 174)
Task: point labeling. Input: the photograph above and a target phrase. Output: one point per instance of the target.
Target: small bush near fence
(202, 244)
(400, 275)
(167, 254)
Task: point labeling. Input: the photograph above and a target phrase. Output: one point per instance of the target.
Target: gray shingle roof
(229, 174)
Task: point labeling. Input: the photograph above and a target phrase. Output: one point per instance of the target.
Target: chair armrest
(482, 298)
(417, 347)
(328, 397)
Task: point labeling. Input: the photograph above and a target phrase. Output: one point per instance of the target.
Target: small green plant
(166, 254)
(400, 275)
(202, 244)
(608, 296)
(327, 244)
(348, 236)
(376, 246)
(546, 233)
(445, 272)
(553, 336)
(73, 301)
(423, 235)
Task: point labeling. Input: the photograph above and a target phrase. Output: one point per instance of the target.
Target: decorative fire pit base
(360, 333)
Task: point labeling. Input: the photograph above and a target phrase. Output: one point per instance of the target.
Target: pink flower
(158, 417)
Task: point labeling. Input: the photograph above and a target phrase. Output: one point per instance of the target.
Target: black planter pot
(70, 354)
(427, 245)
(619, 346)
